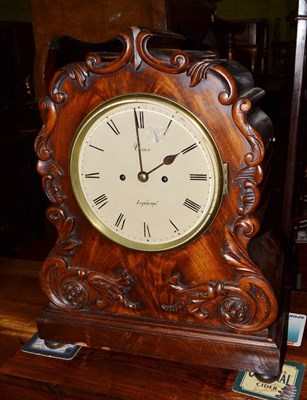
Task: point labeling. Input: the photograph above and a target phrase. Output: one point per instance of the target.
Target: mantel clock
(155, 161)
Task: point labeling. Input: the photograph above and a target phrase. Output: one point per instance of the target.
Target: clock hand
(138, 140)
(168, 160)
(142, 175)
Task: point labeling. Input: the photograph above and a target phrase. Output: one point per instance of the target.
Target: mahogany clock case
(213, 301)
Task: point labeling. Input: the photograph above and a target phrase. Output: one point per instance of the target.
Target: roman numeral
(146, 230)
(176, 229)
(189, 148)
(95, 147)
(92, 175)
(167, 128)
(120, 222)
(198, 177)
(139, 119)
(113, 127)
(191, 205)
(100, 201)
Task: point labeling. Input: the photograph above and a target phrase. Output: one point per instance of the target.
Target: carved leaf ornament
(237, 303)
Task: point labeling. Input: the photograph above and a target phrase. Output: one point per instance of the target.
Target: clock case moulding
(213, 302)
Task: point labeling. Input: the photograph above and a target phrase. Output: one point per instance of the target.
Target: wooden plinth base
(188, 344)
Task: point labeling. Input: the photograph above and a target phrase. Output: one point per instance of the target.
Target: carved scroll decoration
(238, 303)
(248, 304)
(178, 61)
(76, 288)
(236, 308)
(246, 224)
(200, 69)
(95, 63)
(69, 287)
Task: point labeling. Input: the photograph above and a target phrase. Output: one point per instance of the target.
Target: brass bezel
(81, 132)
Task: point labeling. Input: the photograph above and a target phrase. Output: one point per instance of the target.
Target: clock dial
(146, 173)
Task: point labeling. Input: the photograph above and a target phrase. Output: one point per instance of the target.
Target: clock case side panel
(244, 302)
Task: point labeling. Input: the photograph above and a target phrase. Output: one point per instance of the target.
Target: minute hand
(138, 140)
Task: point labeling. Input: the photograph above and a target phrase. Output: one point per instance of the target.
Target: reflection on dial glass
(146, 173)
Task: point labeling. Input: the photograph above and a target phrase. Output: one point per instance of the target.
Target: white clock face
(146, 173)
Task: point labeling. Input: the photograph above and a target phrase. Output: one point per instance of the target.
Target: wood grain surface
(94, 373)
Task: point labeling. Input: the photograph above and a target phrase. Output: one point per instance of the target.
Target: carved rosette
(245, 304)
(235, 306)
(76, 288)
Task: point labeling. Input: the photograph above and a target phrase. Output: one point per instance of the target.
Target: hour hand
(168, 160)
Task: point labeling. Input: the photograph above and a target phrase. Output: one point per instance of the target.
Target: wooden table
(96, 374)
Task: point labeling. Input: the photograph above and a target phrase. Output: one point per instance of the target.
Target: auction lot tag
(37, 346)
(296, 325)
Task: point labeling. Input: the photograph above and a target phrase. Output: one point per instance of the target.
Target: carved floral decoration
(237, 303)
(68, 287)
